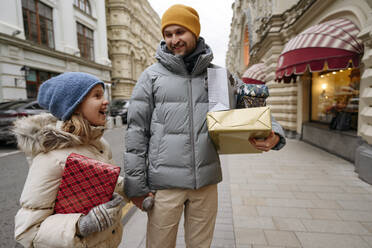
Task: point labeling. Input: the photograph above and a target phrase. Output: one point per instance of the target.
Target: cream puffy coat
(48, 146)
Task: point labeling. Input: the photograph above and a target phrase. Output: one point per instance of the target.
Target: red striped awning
(256, 74)
(333, 42)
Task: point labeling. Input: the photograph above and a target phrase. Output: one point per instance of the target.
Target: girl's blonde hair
(79, 126)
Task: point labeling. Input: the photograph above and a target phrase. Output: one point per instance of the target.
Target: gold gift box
(230, 130)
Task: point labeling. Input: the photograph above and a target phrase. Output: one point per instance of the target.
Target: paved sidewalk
(135, 230)
(300, 196)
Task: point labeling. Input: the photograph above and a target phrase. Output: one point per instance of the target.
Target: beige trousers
(200, 208)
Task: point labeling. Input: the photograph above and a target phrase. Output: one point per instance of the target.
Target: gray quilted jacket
(167, 141)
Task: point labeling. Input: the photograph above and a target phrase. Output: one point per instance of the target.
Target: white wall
(65, 28)
(11, 18)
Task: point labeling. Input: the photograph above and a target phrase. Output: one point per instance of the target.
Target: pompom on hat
(62, 94)
(182, 15)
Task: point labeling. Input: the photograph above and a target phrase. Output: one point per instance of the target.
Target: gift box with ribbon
(252, 95)
(230, 130)
(85, 184)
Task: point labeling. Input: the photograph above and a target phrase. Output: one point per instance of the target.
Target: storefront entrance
(332, 99)
(326, 58)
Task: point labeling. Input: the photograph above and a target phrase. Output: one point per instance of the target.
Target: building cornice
(36, 48)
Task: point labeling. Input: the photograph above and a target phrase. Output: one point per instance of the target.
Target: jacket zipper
(192, 132)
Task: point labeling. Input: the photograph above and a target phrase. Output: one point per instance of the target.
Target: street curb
(9, 154)
(131, 209)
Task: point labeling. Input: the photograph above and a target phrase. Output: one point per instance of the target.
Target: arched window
(84, 5)
(246, 46)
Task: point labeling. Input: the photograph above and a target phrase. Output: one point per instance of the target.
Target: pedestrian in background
(168, 149)
(76, 125)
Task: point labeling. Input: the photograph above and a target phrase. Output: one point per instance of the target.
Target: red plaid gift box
(85, 184)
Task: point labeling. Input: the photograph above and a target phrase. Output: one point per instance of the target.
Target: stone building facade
(42, 38)
(133, 29)
(261, 30)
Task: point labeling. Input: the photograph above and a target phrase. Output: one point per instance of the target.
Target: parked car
(119, 107)
(10, 111)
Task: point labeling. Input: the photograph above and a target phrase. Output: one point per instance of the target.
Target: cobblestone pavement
(300, 196)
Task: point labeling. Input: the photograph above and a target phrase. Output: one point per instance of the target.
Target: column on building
(102, 49)
(363, 160)
(65, 31)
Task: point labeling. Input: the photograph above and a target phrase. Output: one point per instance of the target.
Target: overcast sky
(215, 18)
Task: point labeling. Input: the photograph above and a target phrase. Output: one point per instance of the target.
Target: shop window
(84, 6)
(85, 41)
(34, 79)
(335, 98)
(38, 22)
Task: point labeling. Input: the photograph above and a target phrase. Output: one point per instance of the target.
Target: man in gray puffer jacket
(168, 149)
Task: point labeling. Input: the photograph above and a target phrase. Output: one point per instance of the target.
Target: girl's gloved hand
(100, 217)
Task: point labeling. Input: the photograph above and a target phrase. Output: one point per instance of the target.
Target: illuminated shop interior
(334, 93)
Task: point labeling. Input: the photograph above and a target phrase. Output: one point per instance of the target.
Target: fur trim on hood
(40, 133)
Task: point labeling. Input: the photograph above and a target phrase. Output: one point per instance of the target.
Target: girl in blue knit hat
(76, 124)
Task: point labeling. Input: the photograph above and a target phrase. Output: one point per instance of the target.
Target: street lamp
(25, 70)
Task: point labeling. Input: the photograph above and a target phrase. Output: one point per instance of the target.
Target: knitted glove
(100, 217)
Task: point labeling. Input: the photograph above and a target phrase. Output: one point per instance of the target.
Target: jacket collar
(176, 64)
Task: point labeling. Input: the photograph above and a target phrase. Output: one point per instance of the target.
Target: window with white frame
(38, 22)
(85, 41)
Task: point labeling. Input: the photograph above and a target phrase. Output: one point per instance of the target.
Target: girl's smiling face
(94, 106)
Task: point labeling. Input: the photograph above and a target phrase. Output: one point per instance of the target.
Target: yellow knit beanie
(182, 15)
